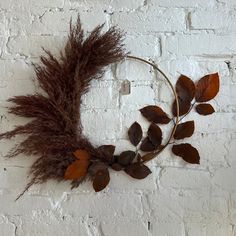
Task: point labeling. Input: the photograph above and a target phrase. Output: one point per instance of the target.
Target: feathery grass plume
(56, 130)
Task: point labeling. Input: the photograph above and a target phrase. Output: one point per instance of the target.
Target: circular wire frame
(155, 67)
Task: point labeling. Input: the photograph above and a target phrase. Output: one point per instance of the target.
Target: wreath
(55, 134)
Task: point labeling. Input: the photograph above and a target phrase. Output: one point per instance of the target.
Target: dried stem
(190, 109)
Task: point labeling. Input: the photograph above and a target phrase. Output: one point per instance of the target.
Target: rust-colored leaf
(155, 135)
(77, 170)
(187, 152)
(155, 114)
(82, 154)
(184, 130)
(101, 180)
(185, 88)
(207, 88)
(204, 109)
(116, 167)
(126, 158)
(147, 145)
(135, 133)
(138, 171)
(184, 107)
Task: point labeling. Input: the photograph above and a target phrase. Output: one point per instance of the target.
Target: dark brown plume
(56, 130)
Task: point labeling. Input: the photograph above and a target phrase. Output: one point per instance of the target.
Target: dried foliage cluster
(55, 133)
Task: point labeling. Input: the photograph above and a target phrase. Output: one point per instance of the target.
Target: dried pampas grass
(56, 131)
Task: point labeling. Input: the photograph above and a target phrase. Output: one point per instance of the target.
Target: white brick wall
(193, 37)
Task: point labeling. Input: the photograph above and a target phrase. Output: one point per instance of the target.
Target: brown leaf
(101, 180)
(184, 107)
(82, 154)
(149, 156)
(147, 145)
(185, 88)
(126, 158)
(207, 88)
(96, 166)
(138, 171)
(155, 135)
(106, 152)
(204, 109)
(187, 152)
(135, 133)
(184, 130)
(116, 167)
(155, 114)
(77, 170)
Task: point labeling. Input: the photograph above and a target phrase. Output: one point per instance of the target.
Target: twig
(190, 109)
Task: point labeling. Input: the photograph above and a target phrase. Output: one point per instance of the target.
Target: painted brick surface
(191, 37)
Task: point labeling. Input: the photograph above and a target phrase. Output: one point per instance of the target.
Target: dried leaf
(207, 87)
(149, 156)
(187, 152)
(204, 109)
(155, 114)
(185, 88)
(101, 180)
(96, 166)
(184, 107)
(184, 130)
(116, 167)
(126, 158)
(155, 135)
(147, 145)
(77, 170)
(106, 152)
(138, 171)
(82, 154)
(135, 133)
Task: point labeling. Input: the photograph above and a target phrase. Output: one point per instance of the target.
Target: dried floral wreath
(55, 133)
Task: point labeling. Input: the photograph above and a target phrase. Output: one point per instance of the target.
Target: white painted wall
(193, 37)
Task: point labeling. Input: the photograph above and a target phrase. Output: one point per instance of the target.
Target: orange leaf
(82, 154)
(207, 88)
(77, 169)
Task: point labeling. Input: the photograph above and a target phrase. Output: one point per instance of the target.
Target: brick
(172, 20)
(182, 3)
(224, 178)
(32, 46)
(137, 228)
(189, 178)
(145, 45)
(205, 44)
(109, 100)
(222, 19)
(170, 229)
(98, 130)
(93, 204)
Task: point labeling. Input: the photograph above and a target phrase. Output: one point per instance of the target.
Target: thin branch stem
(190, 109)
(155, 67)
